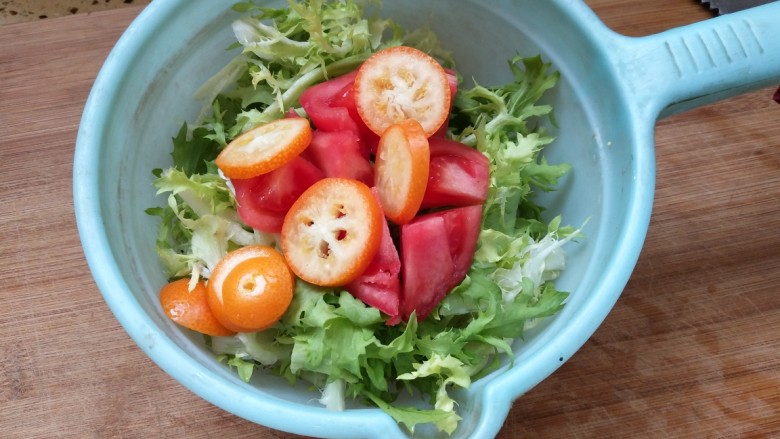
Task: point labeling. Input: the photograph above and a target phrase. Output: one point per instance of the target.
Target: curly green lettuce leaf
(192, 150)
(200, 223)
(410, 417)
(519, 261)
(446, 370)
(202, 194)
(506, 110)
(244, 368)
(286, 50)
(505, 123)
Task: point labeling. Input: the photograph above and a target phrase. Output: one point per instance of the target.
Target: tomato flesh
(340, 154)
(317, 101)
(437, 250)
(331, 107)
(459, 175)
(263, 200)
(346, 99)
(379, 285)
(426, 266)
(268, 221)
(462, 226)
(277, 190)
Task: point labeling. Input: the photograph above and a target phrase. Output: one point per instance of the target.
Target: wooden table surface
(692, 348)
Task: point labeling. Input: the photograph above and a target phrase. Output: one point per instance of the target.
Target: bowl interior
(145, 93)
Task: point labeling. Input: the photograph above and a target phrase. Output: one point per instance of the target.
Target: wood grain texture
(692, 348)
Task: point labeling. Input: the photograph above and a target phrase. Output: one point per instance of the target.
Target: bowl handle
(690, 66)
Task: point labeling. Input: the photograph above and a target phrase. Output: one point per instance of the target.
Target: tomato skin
(340, 154)
(401, 170)
(426, 266)
(459, 175)
(264, 200)
(379, 285)
(332, 232)
(437, 250)
(462, 226)
(278, 189)
(318, 101)
(346, 99)
(260, 219)
(190, 308)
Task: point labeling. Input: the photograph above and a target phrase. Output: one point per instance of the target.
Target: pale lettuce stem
(218, 83)
(201, 207)
(333, 395)
(198, 205)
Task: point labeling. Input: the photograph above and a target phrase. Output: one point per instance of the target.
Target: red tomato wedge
(437, 250)
(264, 148)
(320, 103)
(277, 190)
(190, 308)
(332, 232)
(250, 288)
(263, 200)
(459, 175)
(268, 221)
(379, 285)
(401, 170)
(331, 107)
(402, 83)
(462, 226)
(340, 154)
(346, 99)
(426, 266)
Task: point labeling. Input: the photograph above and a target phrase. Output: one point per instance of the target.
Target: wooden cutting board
(692, 348)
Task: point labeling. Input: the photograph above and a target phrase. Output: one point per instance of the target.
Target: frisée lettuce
(327, 337)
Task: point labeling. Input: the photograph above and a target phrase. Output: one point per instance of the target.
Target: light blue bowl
(613, 89)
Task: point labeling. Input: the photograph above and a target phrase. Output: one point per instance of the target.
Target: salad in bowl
(350, 211)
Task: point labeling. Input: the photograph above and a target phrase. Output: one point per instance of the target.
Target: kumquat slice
(190, 308)
(250, 288)
(401, 83)
(332, 232)
(401, 170)
(265, 148)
